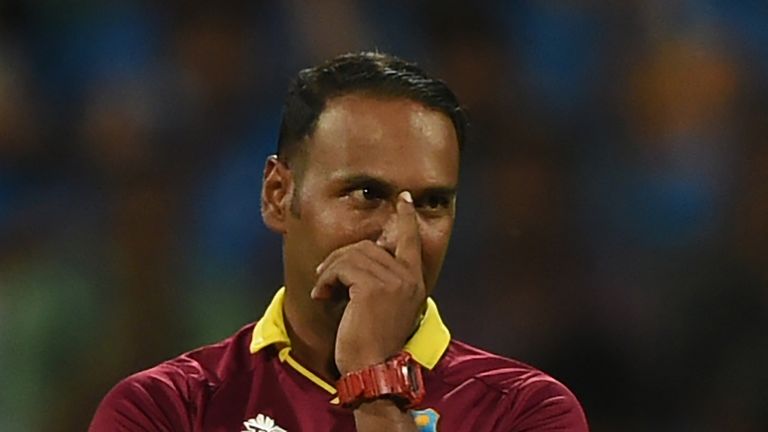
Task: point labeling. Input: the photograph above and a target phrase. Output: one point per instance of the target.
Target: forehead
(396, 139)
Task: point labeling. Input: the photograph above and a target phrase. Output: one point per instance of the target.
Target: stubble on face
(396, 142)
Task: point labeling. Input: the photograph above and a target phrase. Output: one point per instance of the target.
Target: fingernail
(319, 268)
(407, 197)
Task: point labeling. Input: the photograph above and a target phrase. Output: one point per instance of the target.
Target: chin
(334, 307)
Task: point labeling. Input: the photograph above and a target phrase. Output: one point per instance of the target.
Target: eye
(370, 193)
(366, 195)
(435, 203)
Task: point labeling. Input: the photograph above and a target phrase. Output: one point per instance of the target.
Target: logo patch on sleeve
(426, 419)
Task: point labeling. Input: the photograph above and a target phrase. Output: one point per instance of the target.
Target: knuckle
(372, 249)
(402, 285)
(365, 247)
(367, 244)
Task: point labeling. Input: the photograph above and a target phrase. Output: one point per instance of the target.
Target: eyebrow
(385, 186)
(449, 192)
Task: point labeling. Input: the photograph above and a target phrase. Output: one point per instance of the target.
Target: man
(363, 192)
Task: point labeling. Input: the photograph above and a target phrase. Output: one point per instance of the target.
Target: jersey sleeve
(152, 400)
(544, 405)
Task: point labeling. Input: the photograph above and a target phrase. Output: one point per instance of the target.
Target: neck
(312, 334)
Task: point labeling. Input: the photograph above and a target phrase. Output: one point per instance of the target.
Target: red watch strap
(398, 378)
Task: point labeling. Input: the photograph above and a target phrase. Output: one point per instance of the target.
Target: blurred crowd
(613, 213)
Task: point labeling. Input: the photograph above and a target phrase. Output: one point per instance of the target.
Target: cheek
(434, 243)
(339, 226)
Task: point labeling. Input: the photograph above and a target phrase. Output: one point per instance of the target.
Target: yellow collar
(426, 346)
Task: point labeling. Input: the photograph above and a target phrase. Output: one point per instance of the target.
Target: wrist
(380, 408)
(383, 415)
(359, 363)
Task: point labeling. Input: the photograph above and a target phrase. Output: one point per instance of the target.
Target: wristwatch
(398, 378)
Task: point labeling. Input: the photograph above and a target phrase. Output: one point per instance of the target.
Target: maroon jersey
(250, 382)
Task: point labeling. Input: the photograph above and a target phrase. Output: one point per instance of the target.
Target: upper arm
(543, 406)
(142, 403)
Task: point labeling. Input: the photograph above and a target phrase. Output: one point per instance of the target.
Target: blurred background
(613, 215)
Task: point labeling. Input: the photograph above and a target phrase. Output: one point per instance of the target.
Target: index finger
(408, 246)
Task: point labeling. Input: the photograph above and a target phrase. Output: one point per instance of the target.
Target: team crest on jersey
(261, 423)
(426, 419)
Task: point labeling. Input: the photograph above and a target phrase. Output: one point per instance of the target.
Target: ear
(276, 194)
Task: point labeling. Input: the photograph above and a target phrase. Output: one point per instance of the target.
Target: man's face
(362, 154)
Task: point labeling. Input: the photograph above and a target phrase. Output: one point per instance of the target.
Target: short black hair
(374, 73)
